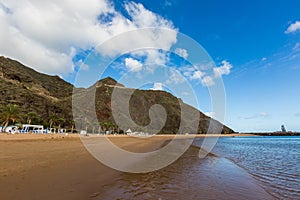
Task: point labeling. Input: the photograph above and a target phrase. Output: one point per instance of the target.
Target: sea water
(273, 161)
(189, 177)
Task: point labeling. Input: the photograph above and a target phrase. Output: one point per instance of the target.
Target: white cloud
(82, 65)
(167, 3)
(224, 69)
(152, 58)
(142, 17)
(139, 17)
(47, 34)
(205, 66)
(297, 46)
(264, 114)
(187, 70)
(157, 86)
(182, 52)
(197, 75)
(155, 57)
(293, 27)
(209, 74)
(175, 77)
(133, 65)
(211, 114)
(208, 81)
(263, 59)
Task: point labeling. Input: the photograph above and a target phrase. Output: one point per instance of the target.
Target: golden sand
(59, 167)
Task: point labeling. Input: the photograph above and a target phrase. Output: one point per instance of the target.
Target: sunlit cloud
(133, 65)
(204, 76)
(294, 27)
(182, 52)
(46, 36)
(224, 69)
(157, 86)
(175, 77)
(210, 114)
(207, 81)
(263, 59)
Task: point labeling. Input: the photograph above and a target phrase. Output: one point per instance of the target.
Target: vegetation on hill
(42, 99)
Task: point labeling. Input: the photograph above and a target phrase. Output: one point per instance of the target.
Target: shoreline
(276, 134)
(32, 137)
(8, 136)
(49, 167)
(247, 174)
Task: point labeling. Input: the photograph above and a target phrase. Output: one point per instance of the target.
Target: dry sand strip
(59, 167)
(56, 167)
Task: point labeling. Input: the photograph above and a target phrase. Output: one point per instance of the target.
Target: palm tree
(52, 120)
(100, 128)
(112, 127)
(60, 122)
(103, 126)
(72, 125)
(10, 113)
(109, 126)
(30, 117)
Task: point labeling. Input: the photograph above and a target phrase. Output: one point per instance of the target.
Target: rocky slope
(50, 95)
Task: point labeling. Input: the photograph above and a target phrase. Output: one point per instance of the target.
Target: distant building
(128, 132)
(283, 129)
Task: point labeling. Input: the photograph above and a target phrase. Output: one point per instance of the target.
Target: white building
(29, 128)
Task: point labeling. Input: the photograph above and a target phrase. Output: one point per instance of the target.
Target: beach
(59, 167)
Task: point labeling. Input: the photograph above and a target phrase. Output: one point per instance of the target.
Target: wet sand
(59, 167)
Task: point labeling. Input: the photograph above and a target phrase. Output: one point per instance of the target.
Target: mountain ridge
(48, 95)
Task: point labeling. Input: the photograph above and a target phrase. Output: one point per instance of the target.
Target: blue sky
(262, 90)
(255, 46)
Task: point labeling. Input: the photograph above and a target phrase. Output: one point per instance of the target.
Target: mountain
(33, 91)
(50, 95)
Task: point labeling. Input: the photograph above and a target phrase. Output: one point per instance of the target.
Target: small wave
(271, 161)
(188, 178)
